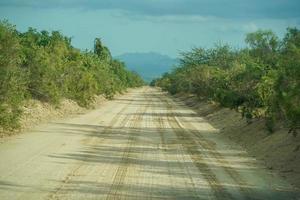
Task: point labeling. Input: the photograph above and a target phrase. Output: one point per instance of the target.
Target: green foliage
(102, 51)
(45, 66)
(260, 81)
(263, 46)
(12, 78)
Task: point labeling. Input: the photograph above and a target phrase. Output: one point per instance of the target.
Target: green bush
(45, 66)
(12, 77)
(261, 80)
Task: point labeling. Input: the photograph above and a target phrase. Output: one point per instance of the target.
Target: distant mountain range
(148, 65)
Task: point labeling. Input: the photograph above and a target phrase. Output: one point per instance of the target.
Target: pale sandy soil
(278, 151)
(142, 145)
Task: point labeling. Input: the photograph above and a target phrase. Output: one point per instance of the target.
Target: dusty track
(142, 145)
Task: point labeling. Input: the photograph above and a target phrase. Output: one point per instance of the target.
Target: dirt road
(143, 145)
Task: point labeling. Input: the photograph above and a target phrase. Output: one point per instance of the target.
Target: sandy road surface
(142, 145)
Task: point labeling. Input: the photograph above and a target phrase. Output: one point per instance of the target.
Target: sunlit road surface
(142, 145)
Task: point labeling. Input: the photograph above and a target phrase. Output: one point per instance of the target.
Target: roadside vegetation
(260, 81)
(45, 66)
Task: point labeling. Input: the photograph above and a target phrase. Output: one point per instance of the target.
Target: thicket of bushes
(262, 80)
(45, 66)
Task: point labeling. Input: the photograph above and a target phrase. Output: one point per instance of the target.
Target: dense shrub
(12, 78)
(45, 66)
(262, 80)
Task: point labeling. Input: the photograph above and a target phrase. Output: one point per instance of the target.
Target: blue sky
(163, 26)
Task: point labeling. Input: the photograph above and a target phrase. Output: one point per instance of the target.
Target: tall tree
(102, 51)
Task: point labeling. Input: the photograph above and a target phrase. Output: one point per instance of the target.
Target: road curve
(142, 145)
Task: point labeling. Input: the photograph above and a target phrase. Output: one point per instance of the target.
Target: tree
(12, 77)
(102, 51)
(45, 66)
(260, 81)
(264, 45)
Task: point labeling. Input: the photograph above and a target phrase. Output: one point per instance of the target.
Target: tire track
(190, 146)
(153, 149)
(125, 163)
(234, 175)
(76, 170)
(160, 125)
(238, 179)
